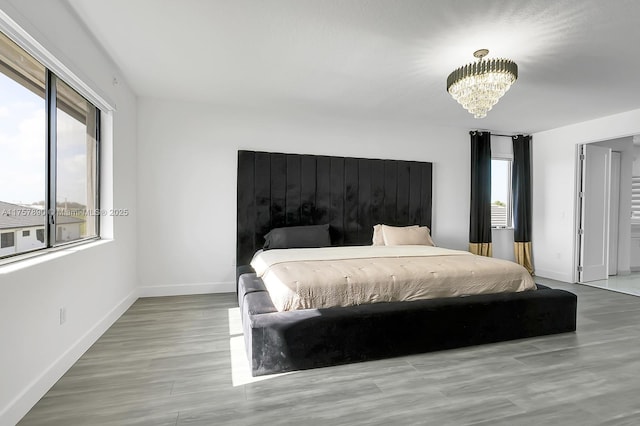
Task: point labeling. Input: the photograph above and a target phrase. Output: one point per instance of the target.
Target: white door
(594, 213)
(614, 211)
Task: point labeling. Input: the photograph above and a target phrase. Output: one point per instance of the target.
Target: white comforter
(346, 276)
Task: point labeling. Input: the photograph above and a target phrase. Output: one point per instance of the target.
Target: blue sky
(499, 177)
(22, 143)
(22, 148)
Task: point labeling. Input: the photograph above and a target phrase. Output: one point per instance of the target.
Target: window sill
(26, 260)
(502, 228)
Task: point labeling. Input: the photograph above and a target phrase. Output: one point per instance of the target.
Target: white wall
(95, 283)
(29, 242)
(187, 180)
(68, 232)
(554, 180)
(502, 244)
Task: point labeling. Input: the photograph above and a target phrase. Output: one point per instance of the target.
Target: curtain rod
(498, 134)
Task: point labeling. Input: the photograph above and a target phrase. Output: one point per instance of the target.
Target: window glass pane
(22, 149)
(7, 239)
(500, 193)
(75, 165)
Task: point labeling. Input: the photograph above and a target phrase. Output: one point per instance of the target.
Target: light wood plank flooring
(168, 361)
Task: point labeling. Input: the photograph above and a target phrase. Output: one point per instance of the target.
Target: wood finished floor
(167, 361)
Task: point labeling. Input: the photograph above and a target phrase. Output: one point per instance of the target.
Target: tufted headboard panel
(351, 194)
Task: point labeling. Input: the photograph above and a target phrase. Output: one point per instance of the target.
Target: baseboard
(22, 403)
(554, 275)
(186, 289)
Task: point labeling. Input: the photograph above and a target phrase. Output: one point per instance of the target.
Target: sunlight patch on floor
(240, 368)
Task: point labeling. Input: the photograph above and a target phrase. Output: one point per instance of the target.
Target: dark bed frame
(352, 195)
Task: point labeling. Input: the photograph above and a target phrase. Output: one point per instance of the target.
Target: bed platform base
(278, 342)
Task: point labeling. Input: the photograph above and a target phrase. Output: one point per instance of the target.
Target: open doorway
(604, 207)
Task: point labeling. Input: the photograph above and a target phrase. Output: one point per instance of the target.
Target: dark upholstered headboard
(351, 194)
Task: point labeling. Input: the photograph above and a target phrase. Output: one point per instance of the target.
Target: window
(49, 149)
(7, 240)
(501, 212)
(76, 165)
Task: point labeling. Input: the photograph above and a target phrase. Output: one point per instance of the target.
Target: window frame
(509, 160)
(13, 239)
(51, 142)
(51, 110)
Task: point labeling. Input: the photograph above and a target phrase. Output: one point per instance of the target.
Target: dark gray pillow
(298, 237)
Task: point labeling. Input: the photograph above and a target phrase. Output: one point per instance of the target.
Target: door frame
(577, 210)
(614, 212)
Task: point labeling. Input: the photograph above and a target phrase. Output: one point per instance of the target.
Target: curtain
(521, 189)
(480, 215)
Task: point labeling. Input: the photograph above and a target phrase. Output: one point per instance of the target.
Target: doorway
(603, 207)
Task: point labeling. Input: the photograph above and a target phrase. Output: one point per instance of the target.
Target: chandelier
(479, 86)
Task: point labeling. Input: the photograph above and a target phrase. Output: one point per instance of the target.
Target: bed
(350, 196)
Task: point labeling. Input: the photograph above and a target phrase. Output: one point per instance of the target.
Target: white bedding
(346, 276)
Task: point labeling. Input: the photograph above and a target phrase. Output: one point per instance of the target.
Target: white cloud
(22, 156)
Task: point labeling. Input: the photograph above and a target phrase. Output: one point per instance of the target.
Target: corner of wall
(554, 275)
(25, 400)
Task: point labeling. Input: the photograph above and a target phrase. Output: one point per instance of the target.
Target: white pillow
(401, 236)
(378, 239)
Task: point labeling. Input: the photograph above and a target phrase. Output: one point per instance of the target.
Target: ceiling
(377, 59)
